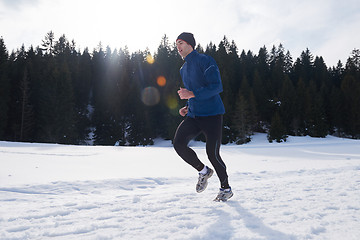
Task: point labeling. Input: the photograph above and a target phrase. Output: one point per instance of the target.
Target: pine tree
(354, 60)
(277, 130)
(101, 119)
(298, 124)
(26, 108)
(303, 67)
(227, 61)
(18, 61)
(4, 87)
(48, 43)
(211, 50)
(36, 68)
(262, 86)
(262, 63)
(65, 115)
(83, 87)
(350, 89)
(287, 108)
(56, 105)
(321, 74)
(277, 66)
(288, 63)
(242, 121)
(254, 122)
(315, 120)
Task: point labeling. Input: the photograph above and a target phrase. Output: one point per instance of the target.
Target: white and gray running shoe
(224, 195)
(203, 180)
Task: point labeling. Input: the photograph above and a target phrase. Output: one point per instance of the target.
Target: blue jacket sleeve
(213, 85)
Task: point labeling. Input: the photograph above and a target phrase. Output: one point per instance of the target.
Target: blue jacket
(201, 75)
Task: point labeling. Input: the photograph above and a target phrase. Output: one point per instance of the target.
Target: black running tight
(211, 127)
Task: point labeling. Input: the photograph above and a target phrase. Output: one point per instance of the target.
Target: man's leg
(212, 128)
(186, 131)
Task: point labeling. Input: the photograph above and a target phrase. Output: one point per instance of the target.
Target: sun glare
(161, 81)
(171, 102)
(150, 59)
(150, 96)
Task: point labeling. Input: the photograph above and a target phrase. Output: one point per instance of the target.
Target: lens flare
(150, 96)
(150, 59)
(161, 81)
(171, 102)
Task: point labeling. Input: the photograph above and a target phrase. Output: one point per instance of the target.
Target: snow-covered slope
(306, 188)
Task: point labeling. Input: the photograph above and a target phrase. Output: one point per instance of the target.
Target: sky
(328, 28)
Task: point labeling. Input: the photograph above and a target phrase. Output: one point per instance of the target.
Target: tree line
(55, 93)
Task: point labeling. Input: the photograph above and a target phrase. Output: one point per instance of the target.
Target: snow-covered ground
(306, 188)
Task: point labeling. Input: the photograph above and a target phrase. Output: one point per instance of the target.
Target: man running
(203, 114)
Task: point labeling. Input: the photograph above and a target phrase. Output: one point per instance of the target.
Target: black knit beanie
(187, 37)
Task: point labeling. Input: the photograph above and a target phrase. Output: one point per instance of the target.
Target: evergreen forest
(55, 93)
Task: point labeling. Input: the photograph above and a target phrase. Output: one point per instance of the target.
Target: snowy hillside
(303, 189)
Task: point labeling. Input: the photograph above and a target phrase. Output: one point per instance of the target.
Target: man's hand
(185, 94)
(183, 111)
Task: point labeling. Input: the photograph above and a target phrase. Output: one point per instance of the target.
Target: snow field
(303, 189)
